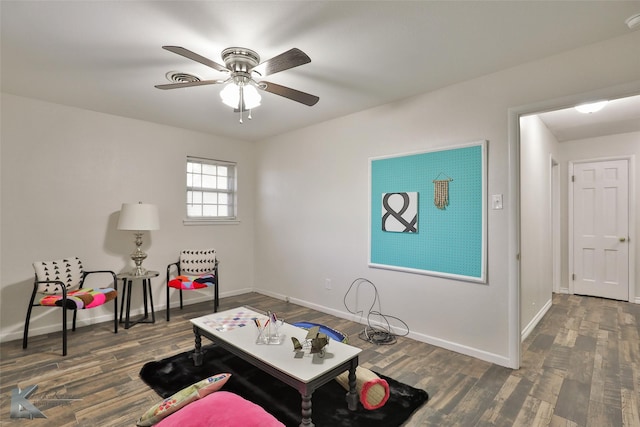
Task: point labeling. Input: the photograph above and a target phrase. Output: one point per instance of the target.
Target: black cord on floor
(373, 334)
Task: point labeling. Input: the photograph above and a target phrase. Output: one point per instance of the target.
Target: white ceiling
(106, 56)
(618, 116)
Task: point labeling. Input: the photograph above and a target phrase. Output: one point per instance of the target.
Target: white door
(601, 228)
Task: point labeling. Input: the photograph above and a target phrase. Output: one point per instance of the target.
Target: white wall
(312, 213)
(626, 144)
(537, 147)
(65, 174)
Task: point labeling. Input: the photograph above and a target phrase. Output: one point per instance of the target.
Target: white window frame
(197, 190)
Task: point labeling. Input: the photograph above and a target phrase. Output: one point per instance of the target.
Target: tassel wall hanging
(441, 192)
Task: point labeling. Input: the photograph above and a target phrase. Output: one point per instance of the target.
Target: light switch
(496, 201)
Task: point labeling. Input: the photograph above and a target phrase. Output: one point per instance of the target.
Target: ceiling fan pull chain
(241, 102)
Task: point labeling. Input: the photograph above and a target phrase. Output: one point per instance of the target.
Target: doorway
(517, 302)
(556, 243)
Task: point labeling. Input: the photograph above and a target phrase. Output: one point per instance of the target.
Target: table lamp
(139, 217)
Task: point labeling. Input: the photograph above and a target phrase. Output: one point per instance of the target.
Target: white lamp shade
(231, 96)
(251, 97)
(139, 217)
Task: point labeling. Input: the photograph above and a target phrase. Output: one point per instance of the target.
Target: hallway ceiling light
(633, 21)
(591, 107)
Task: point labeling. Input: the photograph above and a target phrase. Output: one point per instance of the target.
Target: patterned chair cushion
(197, 262)
(81, 298)
(68, 271)
(192, 282)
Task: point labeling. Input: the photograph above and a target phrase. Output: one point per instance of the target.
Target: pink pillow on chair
(221, 408)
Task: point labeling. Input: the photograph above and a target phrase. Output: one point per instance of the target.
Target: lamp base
(138, 271)
(138, 256)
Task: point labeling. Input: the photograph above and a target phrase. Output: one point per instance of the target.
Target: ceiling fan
(241, 90)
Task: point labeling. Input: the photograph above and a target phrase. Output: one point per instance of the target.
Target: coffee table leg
(197, 354)
(352, 395)
(306, 411)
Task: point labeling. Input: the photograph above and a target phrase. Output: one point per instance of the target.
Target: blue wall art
(445, 233)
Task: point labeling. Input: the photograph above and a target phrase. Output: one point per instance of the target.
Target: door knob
(623, 239)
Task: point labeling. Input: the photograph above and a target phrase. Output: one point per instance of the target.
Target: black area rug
(329, 408)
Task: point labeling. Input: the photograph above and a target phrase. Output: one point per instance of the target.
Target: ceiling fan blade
(287, 92)
(189, 84)
(289, 59)
(195, 57)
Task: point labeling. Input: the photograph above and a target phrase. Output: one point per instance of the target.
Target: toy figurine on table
(315, 342)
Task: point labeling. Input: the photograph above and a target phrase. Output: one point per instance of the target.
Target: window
(211, 189)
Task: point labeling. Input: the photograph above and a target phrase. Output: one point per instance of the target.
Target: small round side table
(127, 280)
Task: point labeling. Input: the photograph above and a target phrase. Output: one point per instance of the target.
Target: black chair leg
(64, 331)
(115, 315)
(168, 306)
(217, 291)
(25, 336)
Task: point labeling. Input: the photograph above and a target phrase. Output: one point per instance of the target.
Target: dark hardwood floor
(580, 367)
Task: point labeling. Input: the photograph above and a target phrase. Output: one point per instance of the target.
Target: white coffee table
(235, 331)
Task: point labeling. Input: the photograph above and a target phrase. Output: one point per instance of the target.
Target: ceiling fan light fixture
(251, 97)
(591, 107)
(231, 95)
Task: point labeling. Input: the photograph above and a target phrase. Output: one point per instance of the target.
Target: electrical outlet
(327, 283)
